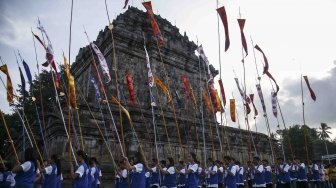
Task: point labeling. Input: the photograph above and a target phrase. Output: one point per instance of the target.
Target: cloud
(323, 110)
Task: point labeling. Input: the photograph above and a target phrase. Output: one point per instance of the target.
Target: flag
(265, 59)
(9, 85)
(255, 109)
(242, 93)
(312, 94)
(38, 39)
(186, 85)
(274, 104)
(23, 85)
(233, 110)
(222, 91)
(149, 70)
(28, 73)
(49, 55)
(222, 13)
(159, 83)
(193, 96)
(276, 85)
(130, 87)
(97, 92)
(114, 100)
(155, 26)
(205, 60)
(126, 2)
(102, 63)
(71, 83)
(241, 23)
(247, 108)
(207, 100)
(261, 97)
(218, 103)
(213, 97)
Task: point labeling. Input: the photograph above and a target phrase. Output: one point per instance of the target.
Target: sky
(298, 37)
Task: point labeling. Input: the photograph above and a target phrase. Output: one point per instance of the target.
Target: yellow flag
(218, 103)
(114, 100)
(159, 83)
(71, 83)
(207, 99)
(193, 95)
(233, 110)
(9, 86)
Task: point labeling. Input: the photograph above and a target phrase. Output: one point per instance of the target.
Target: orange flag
(159, 83)
(155, 26)
(233, 110)
(218, 102)
(207, 99)
(9, 86)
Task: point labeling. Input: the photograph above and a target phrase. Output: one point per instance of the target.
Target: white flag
(274, 104)
(149, 70)
(103, 63)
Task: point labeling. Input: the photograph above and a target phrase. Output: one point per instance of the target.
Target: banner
(274, 104)
(10, 93)
(222, 13)
(149, 70)
(71, 83)
(102, 63)
(241, 23)
(261, 97)
(130, 87)
(155, 26)
(159, 83)
(312, 94)
(255, 109)
(222, 91)
(233, 110)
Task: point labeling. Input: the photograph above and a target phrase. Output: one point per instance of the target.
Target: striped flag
(102, 63)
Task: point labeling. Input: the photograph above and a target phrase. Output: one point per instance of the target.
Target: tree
(324, 135)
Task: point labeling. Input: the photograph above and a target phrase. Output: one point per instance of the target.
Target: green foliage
(296, 136)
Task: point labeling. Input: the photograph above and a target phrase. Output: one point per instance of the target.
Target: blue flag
(23, 84)
(28, 73)
(93, 81)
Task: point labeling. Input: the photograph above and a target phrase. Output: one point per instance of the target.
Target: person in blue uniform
(80, 176)
(181, 179)
(122, 175)
(26, 172)
(212, 176)
(154, 178)
(240, 179)
(292, 172)
(258, 173)
(191, 171)
(284, 177)
(268, 174)
(220, 173)
(138, 178)
(50, 173)
(315, 171)
(94, 173)
(302, 180)
(6, 176)
(249, 173)
(169, 173)
(230, 179)
(163, 165)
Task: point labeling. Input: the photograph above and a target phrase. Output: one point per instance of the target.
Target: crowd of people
(136, 172)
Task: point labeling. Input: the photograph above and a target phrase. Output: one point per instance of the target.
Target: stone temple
(175, 58)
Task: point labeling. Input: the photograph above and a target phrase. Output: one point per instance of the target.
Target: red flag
(38, 38)
(265, 58)
(186, 85)
(255, 109)
(126, 2)
(155, 26)
(214, 97)
(222, 91)
(276, 85)
(222, 13)
(129, 80)
(241, 23)
(312, 94)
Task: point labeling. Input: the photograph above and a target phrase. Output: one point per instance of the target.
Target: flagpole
(10, 138)
(38, 119)
(264, 110)
(104, 93)
(304, 123)
(40, 86)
